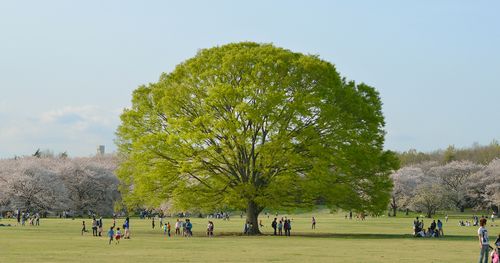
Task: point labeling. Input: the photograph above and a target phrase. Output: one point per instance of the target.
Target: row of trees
(49, 184)
(482, 154)
(429, 186)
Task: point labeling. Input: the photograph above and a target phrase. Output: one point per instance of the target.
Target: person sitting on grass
(111, 234)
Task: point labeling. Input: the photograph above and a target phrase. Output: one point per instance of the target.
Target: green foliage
(476, 154)
(252, 125)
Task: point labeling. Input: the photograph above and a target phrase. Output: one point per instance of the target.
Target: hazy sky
(68, 68)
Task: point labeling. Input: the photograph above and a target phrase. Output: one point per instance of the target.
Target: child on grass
(118, 235)
(111, 233)
(83, 228)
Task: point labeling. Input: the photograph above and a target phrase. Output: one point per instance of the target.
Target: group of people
(97, 229)
(283, 224)
(23, 217)
(434, 230)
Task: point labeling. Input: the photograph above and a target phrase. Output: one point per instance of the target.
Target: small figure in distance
(274, 225)
(313, 223)
(118, 235)
(111, 234)
(83, 227)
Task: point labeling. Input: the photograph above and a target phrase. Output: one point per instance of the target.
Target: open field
(335, 240)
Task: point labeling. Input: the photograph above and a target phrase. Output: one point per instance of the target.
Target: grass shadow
(359, 236)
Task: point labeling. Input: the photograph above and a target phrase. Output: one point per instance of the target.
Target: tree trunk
(253, 211)
(394, 206)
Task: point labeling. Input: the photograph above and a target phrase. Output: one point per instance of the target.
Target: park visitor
(280, 228)
(210, 229)
(168, 229)
(99, 225)
(164, 229)
(83, 228)
(274, 225)
(153, 222)
(118, 235)
(495, 258)
(177, 227)
(126, 228)
(440, 228)
(285, 226)
(111, 234)
(94, 227)
(183, 225)
(189, 226)
(482, 234)
(313, 226)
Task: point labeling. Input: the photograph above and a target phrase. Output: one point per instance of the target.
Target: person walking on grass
(168, 229)
(94, 227)
(83, 227)
(189, 226)
(153, 222)
(118, 235)
(274, 225)
(126, 228)
(313, 223)
(111, 234)
(482, 234)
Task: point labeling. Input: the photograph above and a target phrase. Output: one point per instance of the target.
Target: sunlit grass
(335, 239)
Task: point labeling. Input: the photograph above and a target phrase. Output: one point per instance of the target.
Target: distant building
(100, 150)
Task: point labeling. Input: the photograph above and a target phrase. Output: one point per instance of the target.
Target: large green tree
(252, 126)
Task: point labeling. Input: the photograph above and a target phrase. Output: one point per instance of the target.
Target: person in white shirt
(482, 234)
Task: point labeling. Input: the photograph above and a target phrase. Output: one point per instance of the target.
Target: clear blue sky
(68, 68)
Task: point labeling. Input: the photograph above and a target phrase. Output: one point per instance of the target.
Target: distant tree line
(480, 154)
(453, 179)
(47, 183)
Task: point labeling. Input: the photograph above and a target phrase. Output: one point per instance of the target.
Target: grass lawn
(335, 240)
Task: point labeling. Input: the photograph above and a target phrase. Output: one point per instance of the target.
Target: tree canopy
(251, 126)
